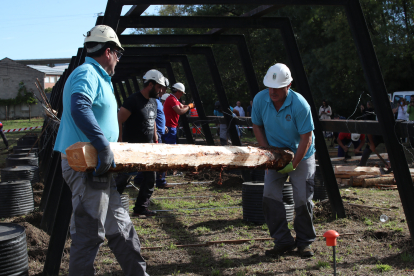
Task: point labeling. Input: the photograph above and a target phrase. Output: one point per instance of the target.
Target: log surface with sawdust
(161, 157)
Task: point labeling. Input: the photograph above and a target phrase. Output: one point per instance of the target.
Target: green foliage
(383, 267)
(326, 45)
(48, 90)
(322, 264)
(23, 97)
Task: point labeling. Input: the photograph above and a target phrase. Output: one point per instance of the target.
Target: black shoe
(146, 212)
(305, 251)
(280, 249)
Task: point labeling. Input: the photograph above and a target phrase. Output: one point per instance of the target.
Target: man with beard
(138, 114)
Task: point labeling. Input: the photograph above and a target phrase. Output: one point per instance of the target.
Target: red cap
(331, 236)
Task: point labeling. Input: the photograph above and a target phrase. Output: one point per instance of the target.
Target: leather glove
(287, 169)
(191, 105)
(105, 161)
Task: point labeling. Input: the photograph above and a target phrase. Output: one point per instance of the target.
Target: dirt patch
(229, 180)
(35, 236)
(34, 219)
(38, 186)
(323, 211)
(37, 199)
(202, 176)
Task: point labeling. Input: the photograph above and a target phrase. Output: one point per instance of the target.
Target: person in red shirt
(344, 141)
(172, 110)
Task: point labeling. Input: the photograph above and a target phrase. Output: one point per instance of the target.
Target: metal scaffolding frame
(57, 202)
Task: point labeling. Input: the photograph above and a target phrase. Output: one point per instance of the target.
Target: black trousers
(4, 138)
(367, 152)
(145, 181)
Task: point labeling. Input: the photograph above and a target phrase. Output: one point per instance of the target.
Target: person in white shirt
(239, 108)
(402, 110)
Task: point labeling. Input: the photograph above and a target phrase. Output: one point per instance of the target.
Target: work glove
(105, 161)
(191, 105)
(287, 169)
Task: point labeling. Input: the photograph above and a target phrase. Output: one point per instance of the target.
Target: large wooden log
(161, 157)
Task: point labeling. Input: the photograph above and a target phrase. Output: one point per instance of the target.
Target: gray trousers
(98, 213)
(274, 210)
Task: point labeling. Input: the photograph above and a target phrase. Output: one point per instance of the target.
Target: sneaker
(166, 186)
(280, 249)
(146, 212)
(305, 251)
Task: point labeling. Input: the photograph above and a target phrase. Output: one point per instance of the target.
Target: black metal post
(383, 110)
(197, 100)
(320, 145)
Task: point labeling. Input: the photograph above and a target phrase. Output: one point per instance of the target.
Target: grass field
(13, 137)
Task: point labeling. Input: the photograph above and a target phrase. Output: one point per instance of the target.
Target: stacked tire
(125, 201)
(252, 197)
(319, 190)
(13, 250)
(16, 198)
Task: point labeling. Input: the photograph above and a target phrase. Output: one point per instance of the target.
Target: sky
(48, 29)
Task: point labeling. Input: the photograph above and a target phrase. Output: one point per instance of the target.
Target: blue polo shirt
(160, 120)
(283, 128)
(91, 80)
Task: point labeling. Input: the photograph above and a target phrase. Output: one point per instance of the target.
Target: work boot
(305, 251)
(280, 249)
(145, 212)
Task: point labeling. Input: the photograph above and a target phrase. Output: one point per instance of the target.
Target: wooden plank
(161, 157)
(358, 158)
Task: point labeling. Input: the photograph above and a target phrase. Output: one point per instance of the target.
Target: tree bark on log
(161, 157)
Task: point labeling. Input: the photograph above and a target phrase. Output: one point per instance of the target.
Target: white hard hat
(179, 86)
(102, 34)
(164, 97)
(154, 75)
(355, 136)
(167, 82)
(278, 76)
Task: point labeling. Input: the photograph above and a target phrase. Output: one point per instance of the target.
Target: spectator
(240, 109)
(402, 110)
(325, 113)
(223, 127)
(369, 112)
(249, 109)
(4, 136)
(345, 140)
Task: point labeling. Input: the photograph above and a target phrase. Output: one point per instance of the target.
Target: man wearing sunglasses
(90, 115)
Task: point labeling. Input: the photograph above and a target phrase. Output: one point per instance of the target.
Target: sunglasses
(118, 54)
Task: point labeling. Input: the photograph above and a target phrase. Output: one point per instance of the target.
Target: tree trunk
(161, 157)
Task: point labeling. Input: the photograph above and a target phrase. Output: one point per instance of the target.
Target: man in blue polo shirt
(90, 115)
(282, 118)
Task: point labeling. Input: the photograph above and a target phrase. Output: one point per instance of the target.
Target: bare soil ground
(375, 248)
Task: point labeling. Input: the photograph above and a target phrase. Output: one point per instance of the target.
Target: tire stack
(252, 197)
(23, 163)
(13, 250)
(320, 190)
(288, 201)
(125, 201)
(16, 198)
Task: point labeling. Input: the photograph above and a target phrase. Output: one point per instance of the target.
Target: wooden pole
(161, 157)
